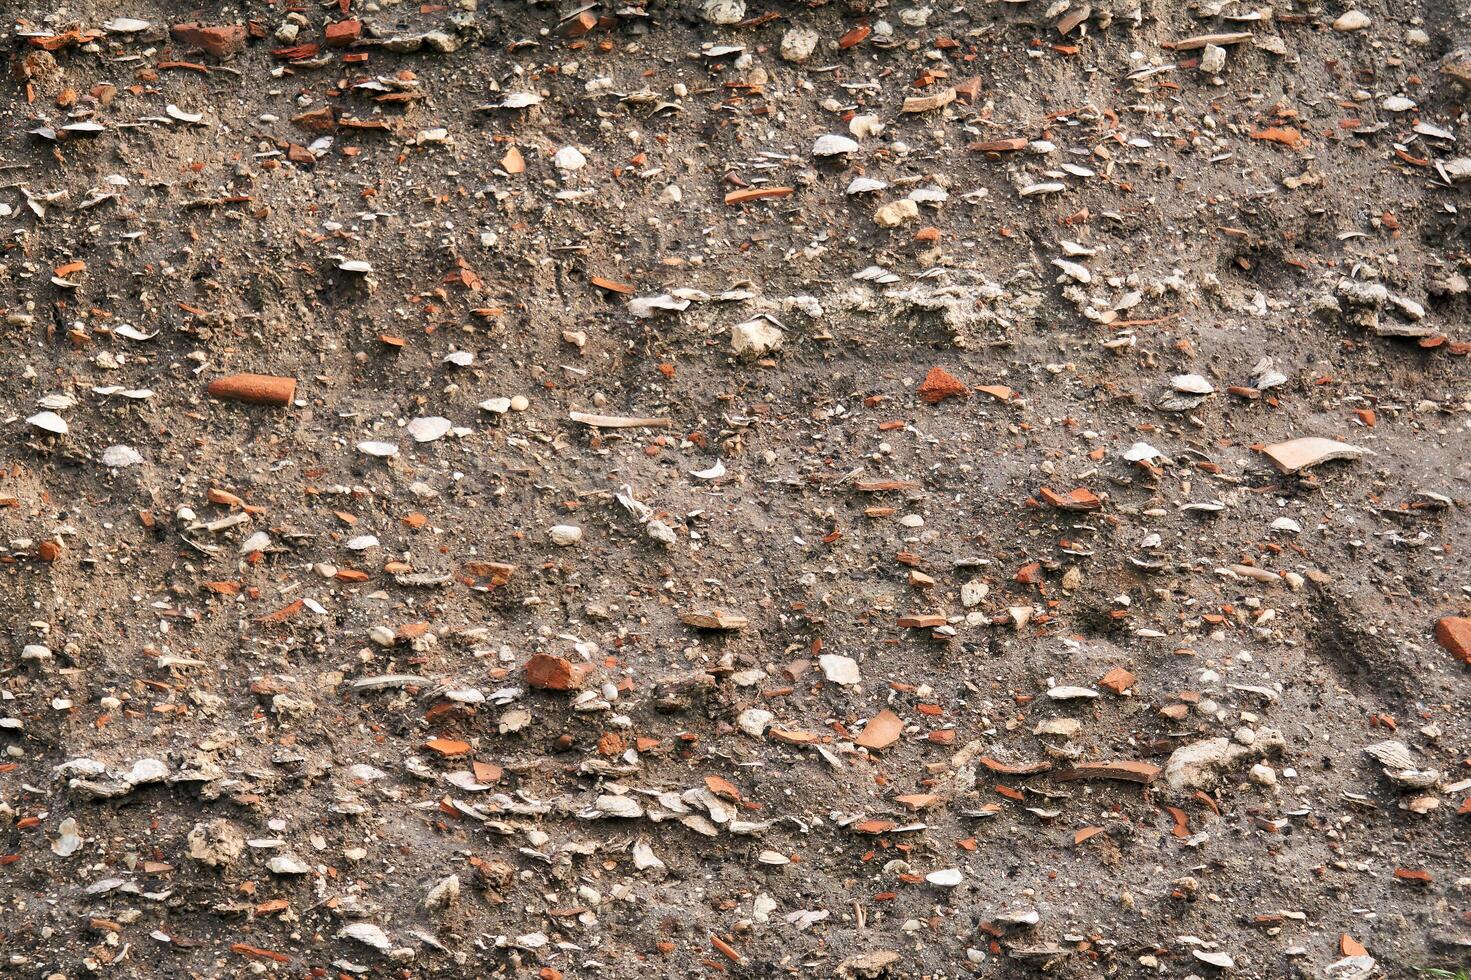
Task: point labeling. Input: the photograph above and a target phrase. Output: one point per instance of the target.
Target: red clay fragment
(552, 673)
(1117, 681)
(297, 52)
(1029, 574)
(1079, 499)
(1454, 633)
(448, 747)
(756, 194)
(1129, 772)
(342, 33)
(1285, 135)
(580, 24)
(1009, 769)
(256, 953)
(320, 121)
(882, 731)
(1009, 145)
(856, 35)
(222, 41)
(939, 385)
(257, 389)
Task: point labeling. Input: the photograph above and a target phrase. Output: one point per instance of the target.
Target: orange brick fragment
(939, 385)
(882, 731)
(1118, 680)
(1080, 499)
(447, 746)
(552, 673)
(222, 41)
(343, 32)
(1285, 135)
(1454, 633)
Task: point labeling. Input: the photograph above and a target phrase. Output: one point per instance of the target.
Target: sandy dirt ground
(833, 489)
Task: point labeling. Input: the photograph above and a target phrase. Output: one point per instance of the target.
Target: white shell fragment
(382, 450)
(832, 146)
(49, 422)
(429, 429)
(175, 113)
(367, 934)
(117, 457)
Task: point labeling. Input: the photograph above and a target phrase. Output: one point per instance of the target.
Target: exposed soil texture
(766, 489)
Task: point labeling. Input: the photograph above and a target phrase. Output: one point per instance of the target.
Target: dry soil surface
(766, 489)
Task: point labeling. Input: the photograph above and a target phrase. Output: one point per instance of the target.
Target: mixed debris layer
(823, 489)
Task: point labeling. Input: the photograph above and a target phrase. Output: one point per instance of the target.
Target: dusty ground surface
(266, 699)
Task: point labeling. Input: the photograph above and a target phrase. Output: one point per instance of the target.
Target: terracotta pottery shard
(1454, 633)
(1029, 574)
(918, 801)
(297, 52)
(342, 33)
(882, 731)
(1285, 135)
(1015, 769)
(922, 621)
(1300, 454)
(579, 24)
(1131, 772)
(792, 737)
(714, 619)
(257, 389)
(857, 35)
(499, 573)
(447, 746)
(1080, 499)
(612, 285)
(1009, 145)
(322, 120)
(551, 673)
(756, 194)
(1117, 681)
(939, 385)
(222, 41)
(722, 787)
(256, 953)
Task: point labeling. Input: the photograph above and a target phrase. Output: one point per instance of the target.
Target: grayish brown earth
(1292, 618)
